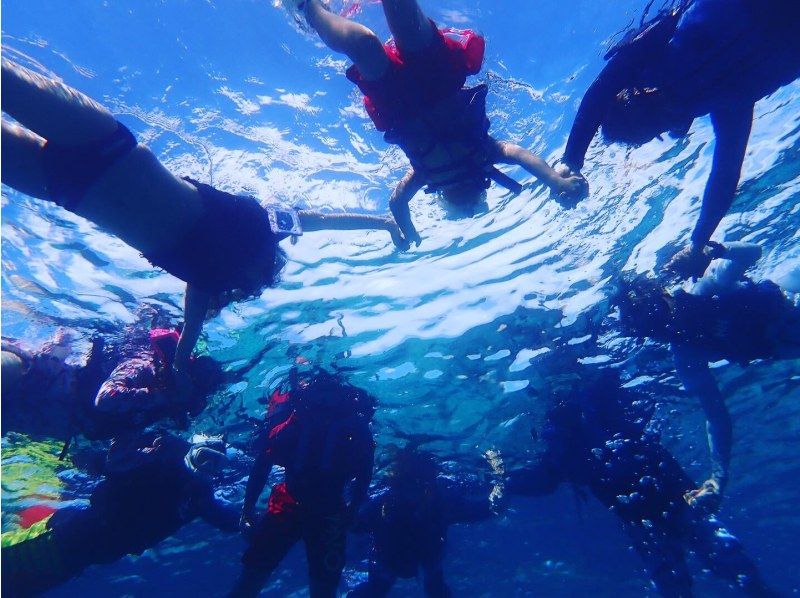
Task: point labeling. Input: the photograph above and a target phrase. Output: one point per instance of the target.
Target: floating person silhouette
(724, 315)
(69, 150)
(414, 93)
(319, 433)
(594, 438)
(152, 488)
(704, 56)
(408, 520)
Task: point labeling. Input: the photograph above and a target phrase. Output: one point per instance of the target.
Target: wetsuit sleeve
(617, 75)
(538, 479)
(257, 480)
(698, 381)
(732, 129)
(129, 387)
(410, 184)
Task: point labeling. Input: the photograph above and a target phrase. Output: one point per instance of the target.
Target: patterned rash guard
(135, 385)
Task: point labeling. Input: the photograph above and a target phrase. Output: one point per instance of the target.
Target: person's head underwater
(464, 193)
(329, 396)
(644, 307)
(639, 115)
(413, 474)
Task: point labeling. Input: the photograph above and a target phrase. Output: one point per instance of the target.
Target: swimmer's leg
(347, 37)
(53, 110)
(410, 27)
(22, 164)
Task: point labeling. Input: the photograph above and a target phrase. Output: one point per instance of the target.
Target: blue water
(456, 337)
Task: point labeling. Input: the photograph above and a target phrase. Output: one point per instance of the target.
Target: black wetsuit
(321, 458)
(409, 535)
(643, 485)
(129, 511)
(722, 57)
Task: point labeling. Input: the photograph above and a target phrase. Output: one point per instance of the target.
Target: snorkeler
(67, 149)
(594, 438)
(705, 56)
(141, 390)
(116, 388)
(151, 489)
(408, 520)
(414, 93)
(319, 433)
(724, 315)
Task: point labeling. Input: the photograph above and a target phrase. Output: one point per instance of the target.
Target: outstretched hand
(246, 524)
(570, 188)
(402, 237)
(690, 262)
(399, 240)
(707, 497)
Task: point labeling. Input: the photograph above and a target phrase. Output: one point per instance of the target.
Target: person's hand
(398, 238)
(689, 262)
(570, 188)
(408, 234)
(707, 497)
(246, 524)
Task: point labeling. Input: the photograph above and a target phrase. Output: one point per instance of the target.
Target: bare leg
(342, 35)
(410, 27)
(22, 161)
(51, 109)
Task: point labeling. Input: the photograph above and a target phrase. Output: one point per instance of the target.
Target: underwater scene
(402, 297)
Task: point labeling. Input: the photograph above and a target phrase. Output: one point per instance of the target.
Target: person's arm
(615, 76)
(698, 381)
(255, 486)
(316, 221)
(732, 131)
(195, 307)
(563, 186)
(406, 189)
(360, 486)
(538, 479)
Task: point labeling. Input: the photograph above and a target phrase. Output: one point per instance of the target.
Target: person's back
(319, 433)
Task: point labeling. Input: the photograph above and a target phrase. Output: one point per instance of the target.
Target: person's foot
(707, 496)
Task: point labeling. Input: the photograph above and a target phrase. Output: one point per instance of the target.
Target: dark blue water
(456, 337)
